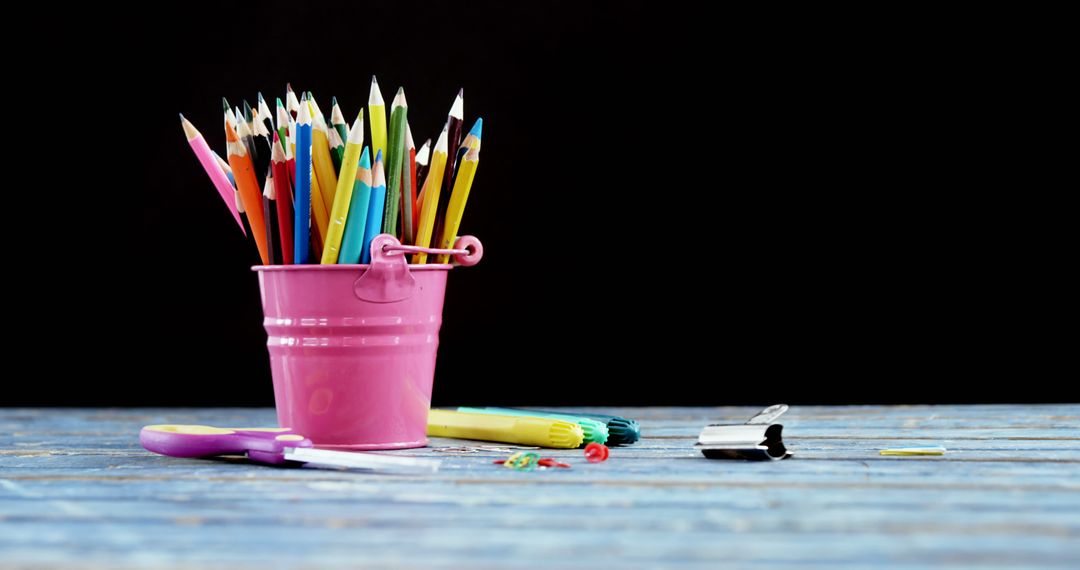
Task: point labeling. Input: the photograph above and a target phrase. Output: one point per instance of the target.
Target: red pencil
(411, 198)
(283, 189)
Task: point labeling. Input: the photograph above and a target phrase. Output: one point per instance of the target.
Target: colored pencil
(337, 150)
(337, 120)
(408, 189)
(377, 118)
(302, 191)
(269, 211)
(355, 226)
(456, 208)
(264, 115)
(229, 119)
(373, 227)
(248, 185)
(217, 175)
(224, 168)
(343, 193)
(432, 189)
(283, 193)
(453, 141)
(395, 150)
(423, 156)
(320, 156)
(291, 103)
(282, 125)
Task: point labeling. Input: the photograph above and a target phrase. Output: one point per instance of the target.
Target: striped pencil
(248, 185)
(284, 200)
(343, 194)
(208, 160)
(302, 191)
(453, 141)
(375, 208)
(395, 150)
(432, 189)
(377, 118)
(355, 226)
(456, 208)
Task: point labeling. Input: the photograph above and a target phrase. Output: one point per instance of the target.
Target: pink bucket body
(348, 372)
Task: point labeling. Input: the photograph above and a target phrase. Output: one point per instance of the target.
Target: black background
(678, 207)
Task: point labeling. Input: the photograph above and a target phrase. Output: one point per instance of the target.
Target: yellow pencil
(343, 194)
(522, 430)
(320, 156)
(431, 197)
(377, 117)
(456, 207)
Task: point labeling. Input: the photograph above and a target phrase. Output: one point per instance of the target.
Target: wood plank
(76, 488)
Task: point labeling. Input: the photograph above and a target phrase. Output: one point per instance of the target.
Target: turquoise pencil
(353, 242)
(375, 211)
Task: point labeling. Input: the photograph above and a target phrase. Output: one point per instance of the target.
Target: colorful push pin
(596, 452)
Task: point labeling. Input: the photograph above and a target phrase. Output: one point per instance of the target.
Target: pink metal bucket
(352, 347)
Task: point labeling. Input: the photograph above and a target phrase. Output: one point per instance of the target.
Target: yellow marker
(431, 198)
(343, 195)
(456, 207)
(377, 116)
(522, 430)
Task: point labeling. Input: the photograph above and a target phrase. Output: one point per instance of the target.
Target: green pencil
(395, 148)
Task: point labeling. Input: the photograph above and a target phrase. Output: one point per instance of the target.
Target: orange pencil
(248, 186)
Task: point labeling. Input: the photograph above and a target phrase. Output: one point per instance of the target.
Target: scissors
(273, 446)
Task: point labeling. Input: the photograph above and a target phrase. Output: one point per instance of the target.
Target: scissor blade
(366, 461)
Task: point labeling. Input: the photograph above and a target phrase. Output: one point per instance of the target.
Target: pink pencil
(210, 165)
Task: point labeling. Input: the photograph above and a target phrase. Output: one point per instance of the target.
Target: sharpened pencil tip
(225, 104)
(181, 116)
(374, 81)
(461, 93)
(333, 100)
(279, 103)
(261, 100)
(288, 87)
(378, 156)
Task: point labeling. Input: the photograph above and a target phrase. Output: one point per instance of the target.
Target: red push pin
(596, 452)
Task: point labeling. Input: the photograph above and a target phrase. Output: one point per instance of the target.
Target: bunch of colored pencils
(325, 194)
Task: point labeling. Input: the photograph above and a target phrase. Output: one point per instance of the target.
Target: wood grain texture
(77, 490)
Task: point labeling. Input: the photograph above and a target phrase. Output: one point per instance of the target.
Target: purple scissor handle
(265, 445)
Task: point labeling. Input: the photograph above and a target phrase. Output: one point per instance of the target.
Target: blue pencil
(302, 211)
(375, 211)
(353, 242)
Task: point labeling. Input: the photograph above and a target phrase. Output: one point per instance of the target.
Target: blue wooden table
(77, 490)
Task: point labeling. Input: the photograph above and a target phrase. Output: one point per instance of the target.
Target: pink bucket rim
(347, 267)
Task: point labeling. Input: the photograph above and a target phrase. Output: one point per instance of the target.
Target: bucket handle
(388, 279)
(467, 250)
